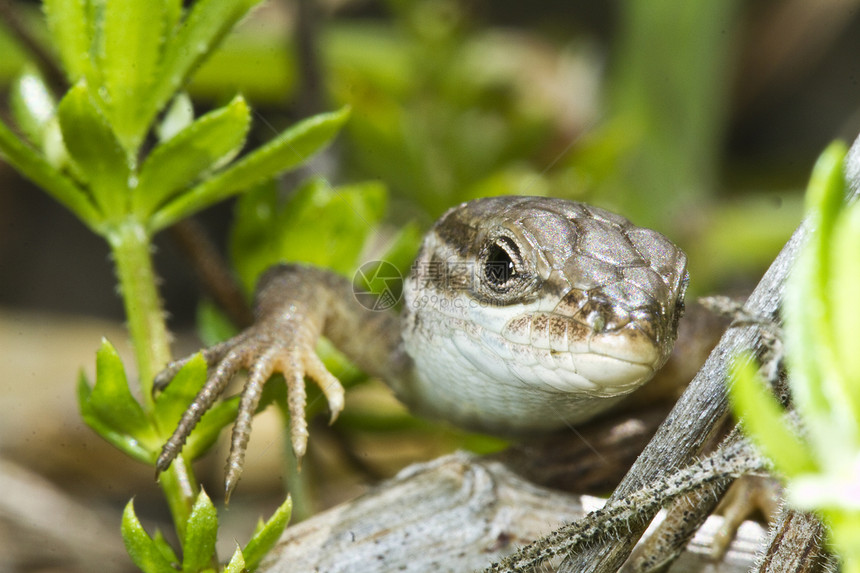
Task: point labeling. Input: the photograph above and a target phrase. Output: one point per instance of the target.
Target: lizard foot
(263, 350)
(748, 495)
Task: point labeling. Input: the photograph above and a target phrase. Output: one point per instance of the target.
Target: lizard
(521, 315)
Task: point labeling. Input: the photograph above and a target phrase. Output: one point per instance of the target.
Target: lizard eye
(501, 262)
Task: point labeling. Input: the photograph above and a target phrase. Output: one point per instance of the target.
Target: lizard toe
(330, 386)
(297, 398)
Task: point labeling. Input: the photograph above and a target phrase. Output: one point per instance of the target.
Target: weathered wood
(704, 403)
(457, 514)
(795, 545)
(683, 518)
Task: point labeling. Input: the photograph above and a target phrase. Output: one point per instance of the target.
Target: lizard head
(569, 303)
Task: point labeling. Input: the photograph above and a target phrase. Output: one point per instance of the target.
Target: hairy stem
(131, 248)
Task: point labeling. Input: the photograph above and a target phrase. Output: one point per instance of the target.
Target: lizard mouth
(589, 341)
(574, 355)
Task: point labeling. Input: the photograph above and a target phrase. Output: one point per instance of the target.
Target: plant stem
(131, 248)
(180, 488)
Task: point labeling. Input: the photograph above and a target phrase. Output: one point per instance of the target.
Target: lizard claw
(263, 350)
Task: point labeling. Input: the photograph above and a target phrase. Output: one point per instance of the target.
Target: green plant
(123, 151)
(819, 457)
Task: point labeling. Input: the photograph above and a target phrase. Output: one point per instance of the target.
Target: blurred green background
(700, 120)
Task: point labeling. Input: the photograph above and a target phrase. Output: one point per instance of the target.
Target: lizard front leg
(295, 305)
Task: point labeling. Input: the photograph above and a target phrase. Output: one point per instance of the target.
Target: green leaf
(95, 150)
(32, 104)
(111, 410)
(55, 149)
(237, 563)
(34, 167)
(844, 533)
(144, 552)
(172, 15)
(340, 367)
(131, 39)
(214, 138)
(172, 403)
(289, 149)
(834, 251)
(826, 190)
(111, 398)
(259, 527)
(213, 326)
(266, 537)
(318, 225)
(130, 445)
(197, 37)
(763, 421)
(799, 309)
(253, 244)
(327, 226)
(164, 547)
(817, 386)
(377, 278)
(824, 199)
(178, 116)
(842, 290)
(404, 247)
(200, 535)
(70, 29)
